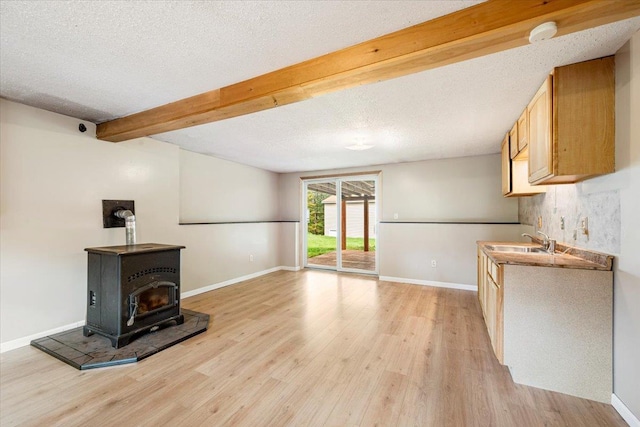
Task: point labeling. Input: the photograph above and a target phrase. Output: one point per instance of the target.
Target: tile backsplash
(570, 201)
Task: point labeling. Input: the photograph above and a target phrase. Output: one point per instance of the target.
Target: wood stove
(132, 289)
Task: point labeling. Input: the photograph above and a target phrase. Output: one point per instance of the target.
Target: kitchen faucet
(548, 244)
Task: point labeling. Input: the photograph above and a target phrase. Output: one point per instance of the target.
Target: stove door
(152, 298)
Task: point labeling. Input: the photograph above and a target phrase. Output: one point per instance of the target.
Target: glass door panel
(321, 225)
(358, 225)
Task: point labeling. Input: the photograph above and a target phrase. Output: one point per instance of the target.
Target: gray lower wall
(406, 250)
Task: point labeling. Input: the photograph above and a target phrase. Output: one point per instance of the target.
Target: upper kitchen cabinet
(571, 124)
(519, 135)
(539, 113)
(515, 170)
(513, 137)
(506, 167)
(523, 131)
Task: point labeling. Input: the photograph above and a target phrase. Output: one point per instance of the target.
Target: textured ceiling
(100, 60)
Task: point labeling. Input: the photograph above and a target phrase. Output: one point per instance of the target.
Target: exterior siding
(355, 219)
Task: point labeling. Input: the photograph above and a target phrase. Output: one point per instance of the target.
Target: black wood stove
(132, 289)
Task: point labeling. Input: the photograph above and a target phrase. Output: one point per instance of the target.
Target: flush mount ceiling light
(543, 32)
(359, 146)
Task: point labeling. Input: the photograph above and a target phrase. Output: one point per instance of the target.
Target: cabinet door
(482, 271)
(513, 138)
(486, 287)
(523, 131)
(490, 316)
(539, 113)
(498, 307)
(506, 167)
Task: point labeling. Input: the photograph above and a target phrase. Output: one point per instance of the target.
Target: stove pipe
(129, 223)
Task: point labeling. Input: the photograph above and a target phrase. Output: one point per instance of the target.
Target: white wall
(215, 190)
(52, 183)
(53, 179)
(459, 190)
(612, 203)
(626, 311)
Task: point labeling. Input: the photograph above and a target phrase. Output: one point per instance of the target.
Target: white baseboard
(24, 341)
(430, 283)
(234, 281)
(21, 342)
(286, 268)
(624, 412)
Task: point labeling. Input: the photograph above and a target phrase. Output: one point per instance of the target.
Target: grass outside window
(320, 244)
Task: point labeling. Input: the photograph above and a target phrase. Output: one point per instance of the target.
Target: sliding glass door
(358, 220)
(341, 224)
(321, 231)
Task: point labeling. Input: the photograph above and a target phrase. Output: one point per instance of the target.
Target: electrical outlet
(540, 222)
(434, 263)
(561, 223)
(584, 225)
(250, 258)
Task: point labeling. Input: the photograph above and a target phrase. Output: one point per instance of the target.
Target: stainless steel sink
(519, 249)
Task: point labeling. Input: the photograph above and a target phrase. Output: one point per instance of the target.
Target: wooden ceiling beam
(486, 28)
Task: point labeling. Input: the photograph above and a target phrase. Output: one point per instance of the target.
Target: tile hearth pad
(96, 351)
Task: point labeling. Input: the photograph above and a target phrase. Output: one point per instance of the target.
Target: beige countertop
(573, 258)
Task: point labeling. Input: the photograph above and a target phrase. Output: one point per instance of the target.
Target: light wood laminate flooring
(302, 348)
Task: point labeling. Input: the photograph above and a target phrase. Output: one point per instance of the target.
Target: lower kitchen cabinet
(491, 297)
(551, 326)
